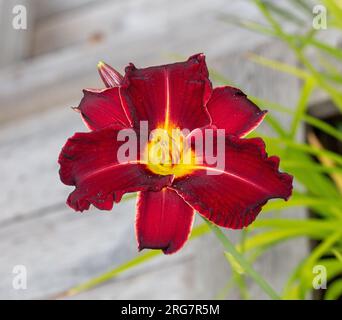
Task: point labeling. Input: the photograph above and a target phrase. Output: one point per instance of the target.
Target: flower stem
(229, 246)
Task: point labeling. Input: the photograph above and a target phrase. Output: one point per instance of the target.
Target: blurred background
(272, 50)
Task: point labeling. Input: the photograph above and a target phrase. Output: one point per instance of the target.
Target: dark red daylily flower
(180, 96)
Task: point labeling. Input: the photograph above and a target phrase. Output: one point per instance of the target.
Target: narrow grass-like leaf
(301, 106)
(309, 167)
(287, 15)
(305, 272)
(298, 200)
(306, 148)
(323, 126)
(334, 291)
(337, 254)
(243, 262)
(280, 66)
(136, 261)
(313, 140)
(234, 264)
(314, 224)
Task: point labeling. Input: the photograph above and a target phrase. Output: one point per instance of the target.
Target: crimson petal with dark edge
(103, 108)
(230, 109)
(234, 197)
(173, 93)
(163, 221)
(89, 162)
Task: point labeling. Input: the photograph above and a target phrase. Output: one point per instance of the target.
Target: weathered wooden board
(37, 84)
(15, 44)
(61, 249)
(122, 19)
(45, 9)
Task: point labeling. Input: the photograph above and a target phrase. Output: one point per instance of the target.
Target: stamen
(165, 153)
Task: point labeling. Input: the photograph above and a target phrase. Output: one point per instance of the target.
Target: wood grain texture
(46, 9)
(15, 44)
(149, 35)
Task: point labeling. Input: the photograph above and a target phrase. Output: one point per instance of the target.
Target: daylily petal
(234, 197)
(102, 108)
(169, 95)
(163, 221)
(110, 77)
(89, 162)
(230, 109)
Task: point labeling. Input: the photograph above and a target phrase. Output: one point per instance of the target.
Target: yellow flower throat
(167, 153)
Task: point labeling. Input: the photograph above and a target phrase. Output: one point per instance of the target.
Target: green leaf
(229, 247)
(299, 200)
(305, 271)
(292, 224)
(234, 264)
(333, 266)
(318, 184)
(317, 123)
(304, 6)
(334, 290)
(334, 52)
(287, 15)
(301, 106)
(280, 66)
(306, 148)
(141, 258)
(136, 261)
(334, 11)
(277, 127)
(292, 42)
(268, 238)
(323, 126)
(300, 282)
(309, 167)
(337, 254)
